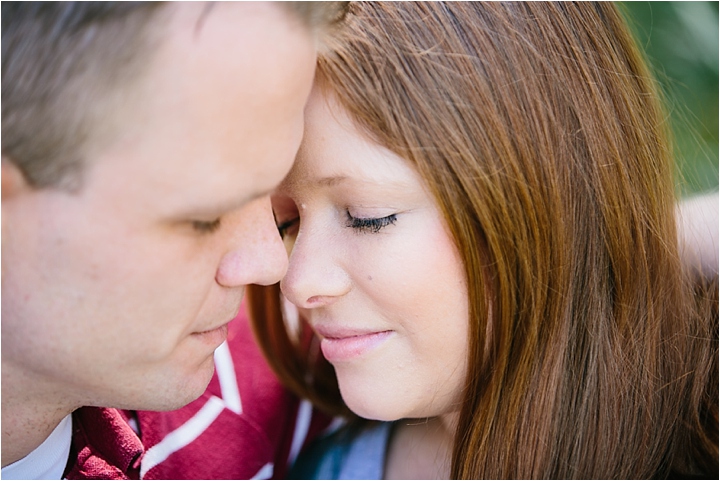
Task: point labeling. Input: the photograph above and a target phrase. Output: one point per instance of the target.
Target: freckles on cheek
(399, 278)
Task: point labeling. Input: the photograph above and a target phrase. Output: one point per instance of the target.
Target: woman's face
(374, 270)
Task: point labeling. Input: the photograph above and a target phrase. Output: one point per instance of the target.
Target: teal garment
(345, 454)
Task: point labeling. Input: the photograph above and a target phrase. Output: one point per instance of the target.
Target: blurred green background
(680, 40)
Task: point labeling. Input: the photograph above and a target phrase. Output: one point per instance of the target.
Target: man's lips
(219, 331)
(215, 336)
(340, 344)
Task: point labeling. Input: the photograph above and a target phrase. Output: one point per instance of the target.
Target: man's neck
(28, 418)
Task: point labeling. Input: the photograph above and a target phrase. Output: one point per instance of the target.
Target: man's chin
(175, 395)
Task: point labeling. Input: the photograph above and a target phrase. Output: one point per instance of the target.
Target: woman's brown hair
(537, 128)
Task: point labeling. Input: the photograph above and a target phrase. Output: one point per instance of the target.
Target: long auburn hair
(537, 128)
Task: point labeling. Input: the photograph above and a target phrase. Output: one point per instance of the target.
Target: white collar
(48, 460)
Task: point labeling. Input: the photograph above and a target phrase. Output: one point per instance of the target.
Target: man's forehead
(218, 119)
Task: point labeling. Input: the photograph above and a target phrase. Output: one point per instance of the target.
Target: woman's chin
(373, 407)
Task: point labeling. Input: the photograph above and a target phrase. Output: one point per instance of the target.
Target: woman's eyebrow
(334, 180)
(331, 181)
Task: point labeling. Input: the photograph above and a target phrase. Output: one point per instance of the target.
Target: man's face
(119, 294)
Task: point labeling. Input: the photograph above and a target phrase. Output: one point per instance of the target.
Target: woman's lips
(338, 348)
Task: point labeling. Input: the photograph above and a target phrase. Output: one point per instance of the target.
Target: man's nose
(256, 254)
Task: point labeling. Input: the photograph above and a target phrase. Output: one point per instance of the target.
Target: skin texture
(401, 276)
(118, 295)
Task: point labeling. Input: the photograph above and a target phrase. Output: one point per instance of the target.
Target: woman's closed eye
(288, 227)
(370, 225)
(286, 214)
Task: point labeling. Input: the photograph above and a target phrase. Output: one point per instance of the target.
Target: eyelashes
(206, 227)
(359, 224)
(371, 225)
(284, 228)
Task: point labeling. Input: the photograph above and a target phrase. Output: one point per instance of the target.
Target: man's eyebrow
(225, 207)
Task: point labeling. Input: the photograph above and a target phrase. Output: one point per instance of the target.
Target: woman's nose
(314, 278)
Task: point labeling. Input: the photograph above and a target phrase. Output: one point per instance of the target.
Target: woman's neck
(421, 448)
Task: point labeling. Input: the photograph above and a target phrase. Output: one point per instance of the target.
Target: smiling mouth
(347, 348)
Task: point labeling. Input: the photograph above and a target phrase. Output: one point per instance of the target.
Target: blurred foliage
(680, 40)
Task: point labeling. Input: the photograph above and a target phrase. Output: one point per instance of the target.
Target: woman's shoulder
(350, 452)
